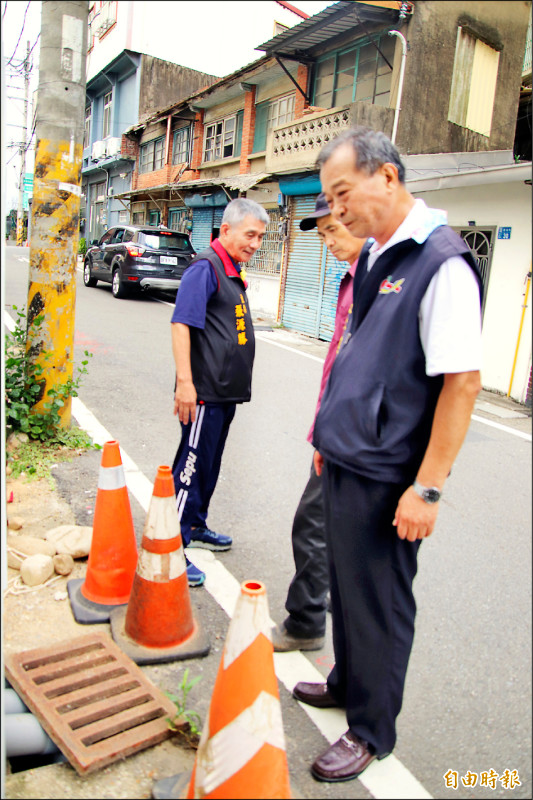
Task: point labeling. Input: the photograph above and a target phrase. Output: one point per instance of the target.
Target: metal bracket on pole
(284, 68)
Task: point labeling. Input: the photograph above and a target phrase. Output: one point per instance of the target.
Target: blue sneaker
(209, 540)
(195, 576)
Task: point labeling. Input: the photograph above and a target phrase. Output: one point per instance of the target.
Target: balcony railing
(297, 144)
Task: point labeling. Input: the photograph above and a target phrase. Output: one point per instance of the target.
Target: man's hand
(185, 401)
(414, 518)
(318, 461)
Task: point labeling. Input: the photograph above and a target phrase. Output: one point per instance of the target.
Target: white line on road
(498, 426)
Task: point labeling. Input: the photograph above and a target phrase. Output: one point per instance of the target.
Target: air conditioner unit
(99, 150)
(113, 145)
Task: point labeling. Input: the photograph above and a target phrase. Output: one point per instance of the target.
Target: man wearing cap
(391, 423)
(305, 626)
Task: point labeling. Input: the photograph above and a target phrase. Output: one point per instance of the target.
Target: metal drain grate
(91, 699)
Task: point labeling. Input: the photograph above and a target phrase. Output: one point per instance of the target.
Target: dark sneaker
(195, 576)
(209, 540)
(285, 642)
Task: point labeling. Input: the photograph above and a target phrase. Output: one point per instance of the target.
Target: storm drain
(91, 699)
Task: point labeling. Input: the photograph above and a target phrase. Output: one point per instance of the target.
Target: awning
(240, 183)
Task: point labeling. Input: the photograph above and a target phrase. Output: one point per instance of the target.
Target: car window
(165, 240)
(108, 235)
(128, 236)
(118, 235)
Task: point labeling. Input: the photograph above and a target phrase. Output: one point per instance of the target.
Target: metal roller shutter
(217, 215)
(305, 270)
(202, 225)
(313, 278)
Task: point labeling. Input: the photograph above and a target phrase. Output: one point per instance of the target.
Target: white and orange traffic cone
(113, 554)
(241, 753)
(158, 624)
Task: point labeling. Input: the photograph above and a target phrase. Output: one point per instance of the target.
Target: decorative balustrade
(298, 143)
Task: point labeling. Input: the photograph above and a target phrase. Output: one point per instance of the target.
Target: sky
(21, 23)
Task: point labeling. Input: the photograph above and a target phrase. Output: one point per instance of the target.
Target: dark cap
(321, 210)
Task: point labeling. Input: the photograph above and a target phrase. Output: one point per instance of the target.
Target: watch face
(432, 495)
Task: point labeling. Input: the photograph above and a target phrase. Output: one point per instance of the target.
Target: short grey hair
(371, 149)
(241, 207)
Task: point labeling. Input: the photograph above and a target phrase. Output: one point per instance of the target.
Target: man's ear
(390, 173)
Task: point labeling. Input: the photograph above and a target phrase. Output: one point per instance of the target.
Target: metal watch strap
(429, 494)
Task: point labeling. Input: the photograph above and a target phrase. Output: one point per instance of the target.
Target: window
(137, 217)
(152, 155)
(90, 27)
(220, 139)
(269, 115)
(87, 128)
(358, 73)
(106, 125)
(181, 147)
(106, 17)
(124, 217)
(154, 218)
(475, 72)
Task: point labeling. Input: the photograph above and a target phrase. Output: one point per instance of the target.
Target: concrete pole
(57, 193)
(20, 210)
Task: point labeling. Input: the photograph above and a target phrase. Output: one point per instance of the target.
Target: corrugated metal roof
(329, 23)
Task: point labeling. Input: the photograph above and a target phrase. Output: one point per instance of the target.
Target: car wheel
(118, 288)
(87, 275)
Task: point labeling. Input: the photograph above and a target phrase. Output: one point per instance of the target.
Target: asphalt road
(467, 704)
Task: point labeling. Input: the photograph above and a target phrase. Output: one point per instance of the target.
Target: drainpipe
(528, 282)
(24, 736)
(400, 83)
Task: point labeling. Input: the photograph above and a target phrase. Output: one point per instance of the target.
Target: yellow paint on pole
(53, 259)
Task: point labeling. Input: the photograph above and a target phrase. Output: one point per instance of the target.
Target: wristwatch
(428, 495)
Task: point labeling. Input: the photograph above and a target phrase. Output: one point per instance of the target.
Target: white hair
(241, 207)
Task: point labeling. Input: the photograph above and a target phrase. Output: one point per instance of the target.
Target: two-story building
(442, 79)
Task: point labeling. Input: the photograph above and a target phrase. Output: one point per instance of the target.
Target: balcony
(296, 145)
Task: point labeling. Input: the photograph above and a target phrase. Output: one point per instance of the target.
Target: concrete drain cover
(91, 699)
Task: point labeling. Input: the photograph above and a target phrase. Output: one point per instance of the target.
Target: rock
(14, 440)
(15, 523)
(36, 569)
(30, 545)
(63, 563)
(74, 540)
(9, 470)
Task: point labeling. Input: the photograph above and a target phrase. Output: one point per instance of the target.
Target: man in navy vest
(392, 420)
(214, 346)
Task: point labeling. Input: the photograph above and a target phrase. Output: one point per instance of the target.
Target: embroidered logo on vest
(387, 287)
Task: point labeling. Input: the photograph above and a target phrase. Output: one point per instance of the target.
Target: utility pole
(23, 146)
(56, 194)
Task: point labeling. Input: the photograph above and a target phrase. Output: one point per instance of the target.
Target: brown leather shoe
(344, 760)
(314, 694)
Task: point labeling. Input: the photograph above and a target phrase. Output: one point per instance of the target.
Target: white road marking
(498, 426)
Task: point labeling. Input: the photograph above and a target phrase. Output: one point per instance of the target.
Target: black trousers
(373, 607)
(306, 598)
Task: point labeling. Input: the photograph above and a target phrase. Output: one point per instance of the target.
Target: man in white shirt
(392, 421)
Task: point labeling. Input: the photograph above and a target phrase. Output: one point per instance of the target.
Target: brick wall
(248, 128)
(300, 102)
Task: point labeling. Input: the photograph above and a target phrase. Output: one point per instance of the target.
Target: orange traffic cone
(158, 624)
(241, 753)
(113, 554)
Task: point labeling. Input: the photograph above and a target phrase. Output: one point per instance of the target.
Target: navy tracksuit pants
(372, 602)
(197, 464)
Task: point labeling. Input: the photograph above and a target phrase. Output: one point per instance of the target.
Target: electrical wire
(21, 32)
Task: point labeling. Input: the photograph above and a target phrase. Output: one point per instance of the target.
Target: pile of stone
(38, 559)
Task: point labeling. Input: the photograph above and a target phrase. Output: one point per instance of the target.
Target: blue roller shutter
(332, 278)
(313, 278)
(202, 225)
(305, 271)
(217, 216)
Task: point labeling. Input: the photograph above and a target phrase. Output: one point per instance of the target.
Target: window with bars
(152, 155)
(181, 146)
(360, 73)
(106, 124)
(221, 139)
(267, 260)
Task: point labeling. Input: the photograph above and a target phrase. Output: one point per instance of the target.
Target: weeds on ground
(190, 731)
(46, 441)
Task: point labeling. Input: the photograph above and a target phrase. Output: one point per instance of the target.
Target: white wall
(208, 35)
(500, 205)
(263, 294)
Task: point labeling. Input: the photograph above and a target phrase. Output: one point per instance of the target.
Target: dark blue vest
(222, 354)
(376, 413)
